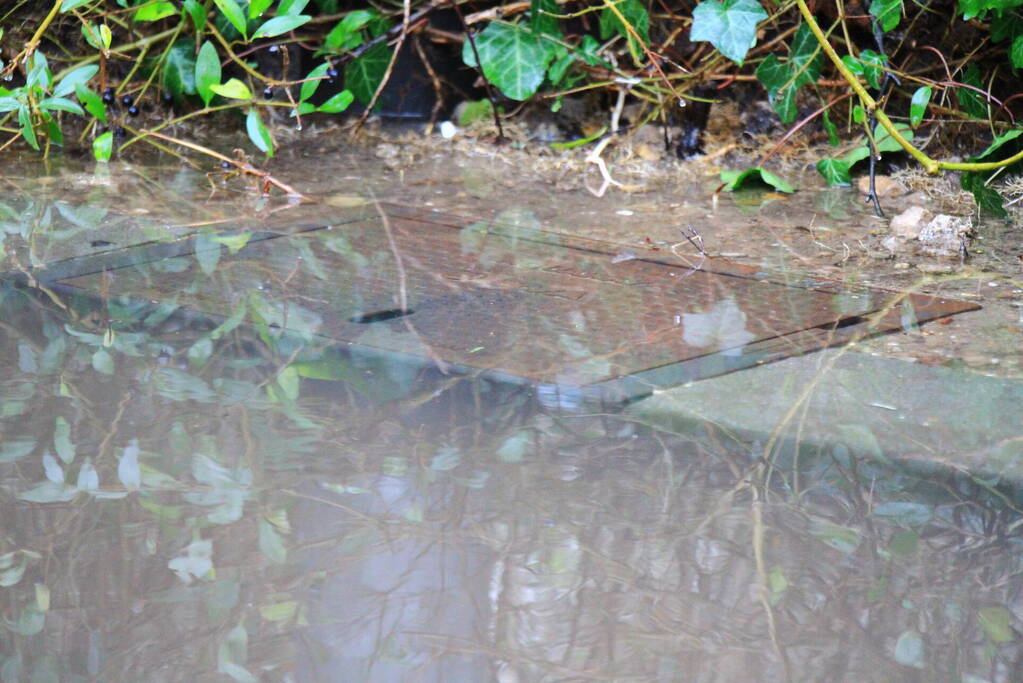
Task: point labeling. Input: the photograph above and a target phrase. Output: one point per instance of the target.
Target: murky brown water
(186, 499)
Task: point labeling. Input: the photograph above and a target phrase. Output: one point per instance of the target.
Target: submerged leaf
(736, 179)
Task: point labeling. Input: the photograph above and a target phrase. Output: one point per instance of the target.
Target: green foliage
(988, 200)
(918, 105)
(363, 75)
(735, 180)
(730, 26)
(514, 58)
(888, 13)
(838, 171)
(636, 25)
(784, 79)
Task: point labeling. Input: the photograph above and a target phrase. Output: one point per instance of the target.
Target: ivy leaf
(258, 133)
(155, 11)
(736, 179)
(338, 103)
(233, 89)
(888, 13)
(637, 17)
(234, 14)
(782, 80)
(179, 69)
(366, 71)
(997, 624)
(514, 58)
(918, 105)
(970, 100)
(730, 26)
(835, 172)
(540, 19)
(103, 146)
(831, 129)
(207, 72)
(988, 200)
(868, 64)
(279, 25)
(1016, 52)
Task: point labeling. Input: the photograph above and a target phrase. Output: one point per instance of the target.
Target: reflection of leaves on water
(197, 562)
(722, 328)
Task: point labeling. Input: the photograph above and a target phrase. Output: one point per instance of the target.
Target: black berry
(331, 73)
(268, 93)
(273, 48)
(224, 164)
(133, 110)
(120, 132)
(108, 96)
(168, 98)
(127, 100)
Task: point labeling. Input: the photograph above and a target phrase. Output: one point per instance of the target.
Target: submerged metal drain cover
(507, 299)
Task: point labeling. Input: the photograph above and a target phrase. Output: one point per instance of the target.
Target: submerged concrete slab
(579, 315)
(887, 409)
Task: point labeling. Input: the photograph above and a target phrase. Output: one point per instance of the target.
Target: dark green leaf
(1016, 52)
(730, 26)
(258, 133)
(830, 129)
(27, 131)
(365, 72)
(540, 19)
(179, 69)
(998, 142)
(207, 72)
(514, 58)
(782, 80)
(904, 543)
(918, 105)
(872, 67)
(905, 513)
(835, 171)
(888, 13)
(734, 180)
(279, 25)
(337, 103)
(637, 17)
(972, 101)
(988, 200)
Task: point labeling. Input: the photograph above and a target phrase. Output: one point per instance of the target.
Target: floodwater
(191, 499)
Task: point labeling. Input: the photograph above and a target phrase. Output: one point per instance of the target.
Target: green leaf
(888, 13)
(232, 654)
(909, 650)
(637, 17)
(831, 129)
(514, 58)
(27, 131)
(103, 362)
(258, 133)
(447, 458)
(288, 381)
(233, 89)
(257, 7)
(271, 544)
(337, 103)
(93, 103)
(312, 82)
(155, 11)
(998, 142)
(178, 76)
(291, 7)
(905, 513)
(234, 243)
(736, 179)
(988, 200)
(782, 80)
(904, 543)
(62, 440)
(279, 25)
(859, 114)
(366, 71)
(972, 102)
(1016, 52)
(540, 19)
(730, 26)
(870, 65)
(835, 172)
(68, 5)
(207, 72)
(197, 12)
(233, 13)
(103, 146)
(61, 104)
(918, 105)
(68, 84)
(997, 624)
(346, 33)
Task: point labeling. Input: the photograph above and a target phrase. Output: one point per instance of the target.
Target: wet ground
(230, 498)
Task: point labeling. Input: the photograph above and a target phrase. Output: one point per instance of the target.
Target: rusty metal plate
(575, 316)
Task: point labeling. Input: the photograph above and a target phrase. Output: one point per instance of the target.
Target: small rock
(647, 153)
(908, 224)
(891, 243)
(946, 235)
(883, 185)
